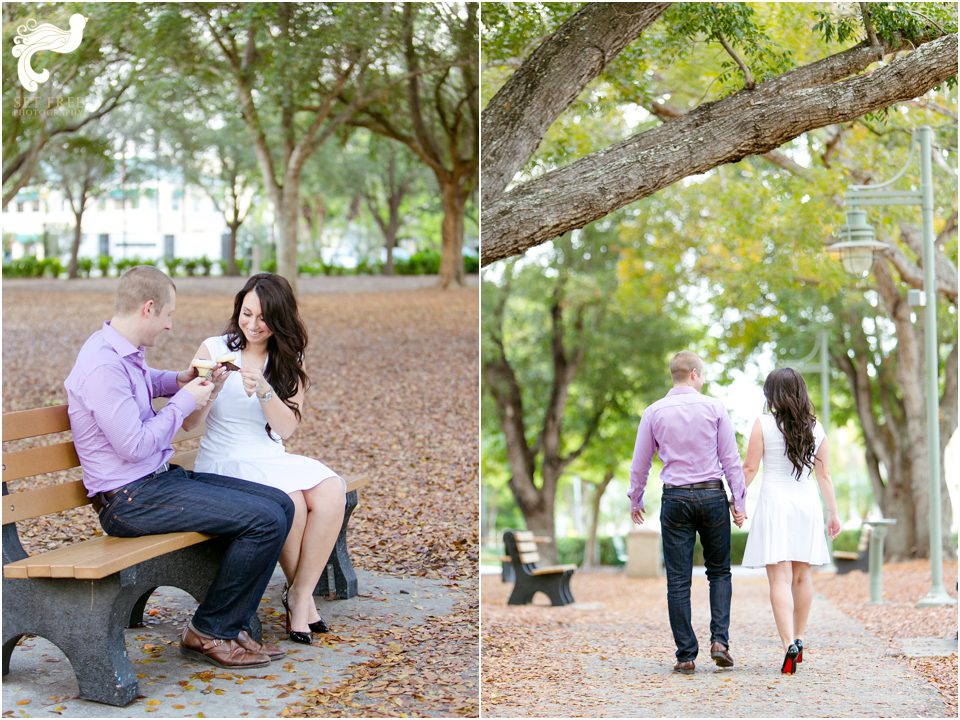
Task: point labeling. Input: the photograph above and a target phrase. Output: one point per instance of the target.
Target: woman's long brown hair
(285, 347)
(788, 399)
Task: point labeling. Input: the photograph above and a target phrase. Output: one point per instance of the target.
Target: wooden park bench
(553, 580)
(81, 597)
(847, 561)
(506, 565)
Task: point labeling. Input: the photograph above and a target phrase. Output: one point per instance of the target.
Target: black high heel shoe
(301, 637)
(789, 666)
(318, 626)
(798, 643)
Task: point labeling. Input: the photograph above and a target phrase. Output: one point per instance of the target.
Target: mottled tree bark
(549, 80)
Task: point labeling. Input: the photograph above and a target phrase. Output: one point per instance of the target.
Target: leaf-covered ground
(394, 398)
(611, 654)
(899, 617)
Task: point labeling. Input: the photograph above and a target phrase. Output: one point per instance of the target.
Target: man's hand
(185, 376)
(637, 515)
(200, 389)
(738, 517)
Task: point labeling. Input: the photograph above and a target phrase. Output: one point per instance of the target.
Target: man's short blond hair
(684, 363)
(139, 284)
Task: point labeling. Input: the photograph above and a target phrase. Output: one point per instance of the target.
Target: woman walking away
(787, 534)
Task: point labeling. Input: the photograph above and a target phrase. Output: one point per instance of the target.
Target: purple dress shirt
(694, 438)
(118, 436)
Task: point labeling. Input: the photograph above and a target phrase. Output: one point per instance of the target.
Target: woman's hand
(254, 382)
(218, 377)
(833, 526)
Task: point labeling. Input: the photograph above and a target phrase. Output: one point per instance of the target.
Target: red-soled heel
(799, 644)
(789, 666)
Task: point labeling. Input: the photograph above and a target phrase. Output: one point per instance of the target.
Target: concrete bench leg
(344, 576)
(85, 619)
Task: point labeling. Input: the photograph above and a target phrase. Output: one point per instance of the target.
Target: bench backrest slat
(39, 461)
(529, 558)
(44, 501)
(33, 423)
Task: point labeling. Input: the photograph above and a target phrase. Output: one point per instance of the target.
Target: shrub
(190, 265)
(172, 265)
(369, 267)
(425, 262)
(103, 263)
(207, 265)
(471, 264)
(571, 550)
(52, 267)
(847, 541)
(85, 266)
(270, 266)
(26, 267)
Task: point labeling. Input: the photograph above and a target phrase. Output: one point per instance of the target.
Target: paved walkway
(41, 682)
(611, 655)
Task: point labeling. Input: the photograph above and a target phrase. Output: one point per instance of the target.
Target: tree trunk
(72, 273)
(591, 553)
(390, 243)
(232, 269)
(746, 123)
(540, 521)
(287, 217)
(451, 253)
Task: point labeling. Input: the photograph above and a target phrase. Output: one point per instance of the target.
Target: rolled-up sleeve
(163, 383)
(106, 391)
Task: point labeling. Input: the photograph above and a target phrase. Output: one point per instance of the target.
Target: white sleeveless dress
(788, 521)
(235, 442)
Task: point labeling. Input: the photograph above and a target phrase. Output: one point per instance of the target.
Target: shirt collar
(683, 390)
(119, 343)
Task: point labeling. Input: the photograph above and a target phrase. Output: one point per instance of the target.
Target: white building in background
(160, 219)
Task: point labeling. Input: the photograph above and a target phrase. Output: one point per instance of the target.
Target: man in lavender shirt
(693, 436)
(125, 448)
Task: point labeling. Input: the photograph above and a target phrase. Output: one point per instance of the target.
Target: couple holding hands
(695, 441)
(268, 504)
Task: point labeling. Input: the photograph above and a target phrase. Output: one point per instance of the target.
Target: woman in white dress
(252, 411)
(787, 533)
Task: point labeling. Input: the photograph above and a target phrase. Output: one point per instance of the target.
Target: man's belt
(708, 485)
(107, 495)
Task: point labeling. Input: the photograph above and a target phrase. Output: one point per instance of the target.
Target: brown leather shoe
(275, 652)
(721, 655)
(687, 667)
(228, 654)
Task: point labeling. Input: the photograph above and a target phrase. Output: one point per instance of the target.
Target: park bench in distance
(553, 580)
(847, 561)
(82, 597)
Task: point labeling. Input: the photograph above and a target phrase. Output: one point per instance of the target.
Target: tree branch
(747, 75)
(549, 80)
(742, 124)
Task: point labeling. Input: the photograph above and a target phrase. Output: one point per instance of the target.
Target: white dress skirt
(788, 521)
(235, 442)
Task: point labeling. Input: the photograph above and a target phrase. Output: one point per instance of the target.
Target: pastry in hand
(228, 360)
(204, 367)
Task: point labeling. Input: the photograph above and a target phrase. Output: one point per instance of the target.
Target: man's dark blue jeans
(254, 518)
(683, 514)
